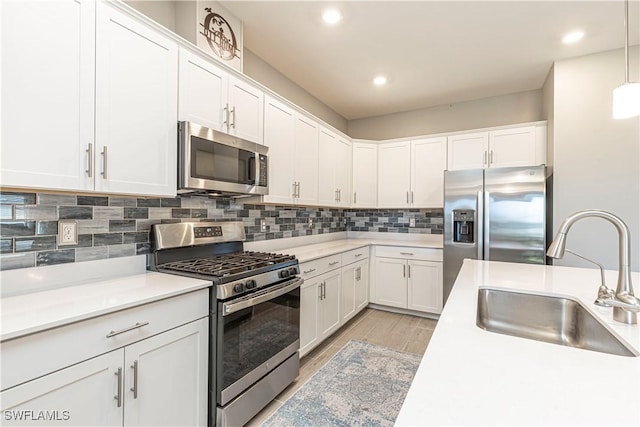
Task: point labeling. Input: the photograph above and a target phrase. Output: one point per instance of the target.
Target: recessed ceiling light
(331, 16)
(379, 80)
(573, 37)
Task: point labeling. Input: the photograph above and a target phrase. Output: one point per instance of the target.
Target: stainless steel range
(254, 318)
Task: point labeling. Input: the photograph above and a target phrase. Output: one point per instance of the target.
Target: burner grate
(227, 264)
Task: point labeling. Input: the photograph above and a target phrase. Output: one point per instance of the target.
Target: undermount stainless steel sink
(552, 319)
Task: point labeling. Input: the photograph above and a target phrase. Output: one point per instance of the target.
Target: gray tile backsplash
(110, 226)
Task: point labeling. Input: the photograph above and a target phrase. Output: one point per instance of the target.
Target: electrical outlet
(345, 222)
(263, 225)
(310, 222)
(412, 222)
(67, 233)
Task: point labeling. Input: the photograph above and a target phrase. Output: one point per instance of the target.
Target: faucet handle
(604, 294)
(634, 308)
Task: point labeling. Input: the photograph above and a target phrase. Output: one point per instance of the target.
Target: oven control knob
(284, 273)
(293, 271)
(238, 287)
(250, 284)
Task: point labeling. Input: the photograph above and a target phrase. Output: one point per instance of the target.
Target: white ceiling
(434, 52)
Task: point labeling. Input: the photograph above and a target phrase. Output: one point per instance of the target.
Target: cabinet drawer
(35, 355)
(319, 266)
(355, 255)
(425, 254)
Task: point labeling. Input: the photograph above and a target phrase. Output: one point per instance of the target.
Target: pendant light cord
(626, 41)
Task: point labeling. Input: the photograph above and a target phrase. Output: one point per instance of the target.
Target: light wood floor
(393, 330)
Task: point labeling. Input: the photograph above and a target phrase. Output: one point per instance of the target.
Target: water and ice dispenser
(463, 225)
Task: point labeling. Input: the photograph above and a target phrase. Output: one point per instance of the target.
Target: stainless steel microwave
(214, 162)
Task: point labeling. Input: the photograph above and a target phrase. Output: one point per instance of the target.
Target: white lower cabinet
(80, 395)
(169, 370)
(409, 278)
(319, 309)
(335, 289)
(160, 380)
(355, 288)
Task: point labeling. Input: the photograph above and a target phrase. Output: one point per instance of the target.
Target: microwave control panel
(262, 179)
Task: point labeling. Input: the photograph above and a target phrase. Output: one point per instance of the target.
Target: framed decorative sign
(220, 33)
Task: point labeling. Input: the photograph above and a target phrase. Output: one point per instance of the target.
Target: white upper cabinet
(305, 163)
(343, 171)
(212, 97)
(136, 106)
(428, 162)
(246, 105)
(334, 173)
(410, 173)
(394, 174)
(327, 192)
(47, 93)
(518, 146)
(293, 154)
(279, 135)
(468, 151)
(203, 92)
(512, 147)
(365, 175)
(130, 145)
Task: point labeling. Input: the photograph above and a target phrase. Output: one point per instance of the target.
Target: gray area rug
(362, 385)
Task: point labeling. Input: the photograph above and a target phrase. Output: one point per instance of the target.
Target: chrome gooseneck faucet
(625, 305)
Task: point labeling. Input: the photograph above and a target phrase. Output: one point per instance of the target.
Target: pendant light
(626, 98)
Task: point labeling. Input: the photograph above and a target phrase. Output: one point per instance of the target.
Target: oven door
(255, 334)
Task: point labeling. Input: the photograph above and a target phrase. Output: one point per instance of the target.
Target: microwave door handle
(251, 172)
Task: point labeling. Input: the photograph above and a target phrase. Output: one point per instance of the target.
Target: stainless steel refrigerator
(493, 214)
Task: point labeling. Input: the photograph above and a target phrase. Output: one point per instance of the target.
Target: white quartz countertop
(37, 311)
(320, 250)
(469, 376)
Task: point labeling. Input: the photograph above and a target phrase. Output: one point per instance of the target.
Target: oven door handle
(232, 307)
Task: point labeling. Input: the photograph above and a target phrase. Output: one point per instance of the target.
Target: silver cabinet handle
(358, 255)
(354, 198)
(89, 152)
(294, 190)
(127, 329)
(334, 263)
(118, 396)
(309, 271)
(104, 162)
(233, 112)
(339, 195)
(412, 197)
(484, 161)
(406, 253)
(404, 270)
(134, 389)
(491, 157)
(409, 271)
(298, 192)
(407, 197)
(225, 110)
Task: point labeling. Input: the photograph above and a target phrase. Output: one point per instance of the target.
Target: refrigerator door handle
(480, 223)
(487, 226)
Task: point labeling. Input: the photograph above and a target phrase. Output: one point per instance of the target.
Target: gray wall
(259, 70)
(495, 111)
(596, 158)
(163, 12)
